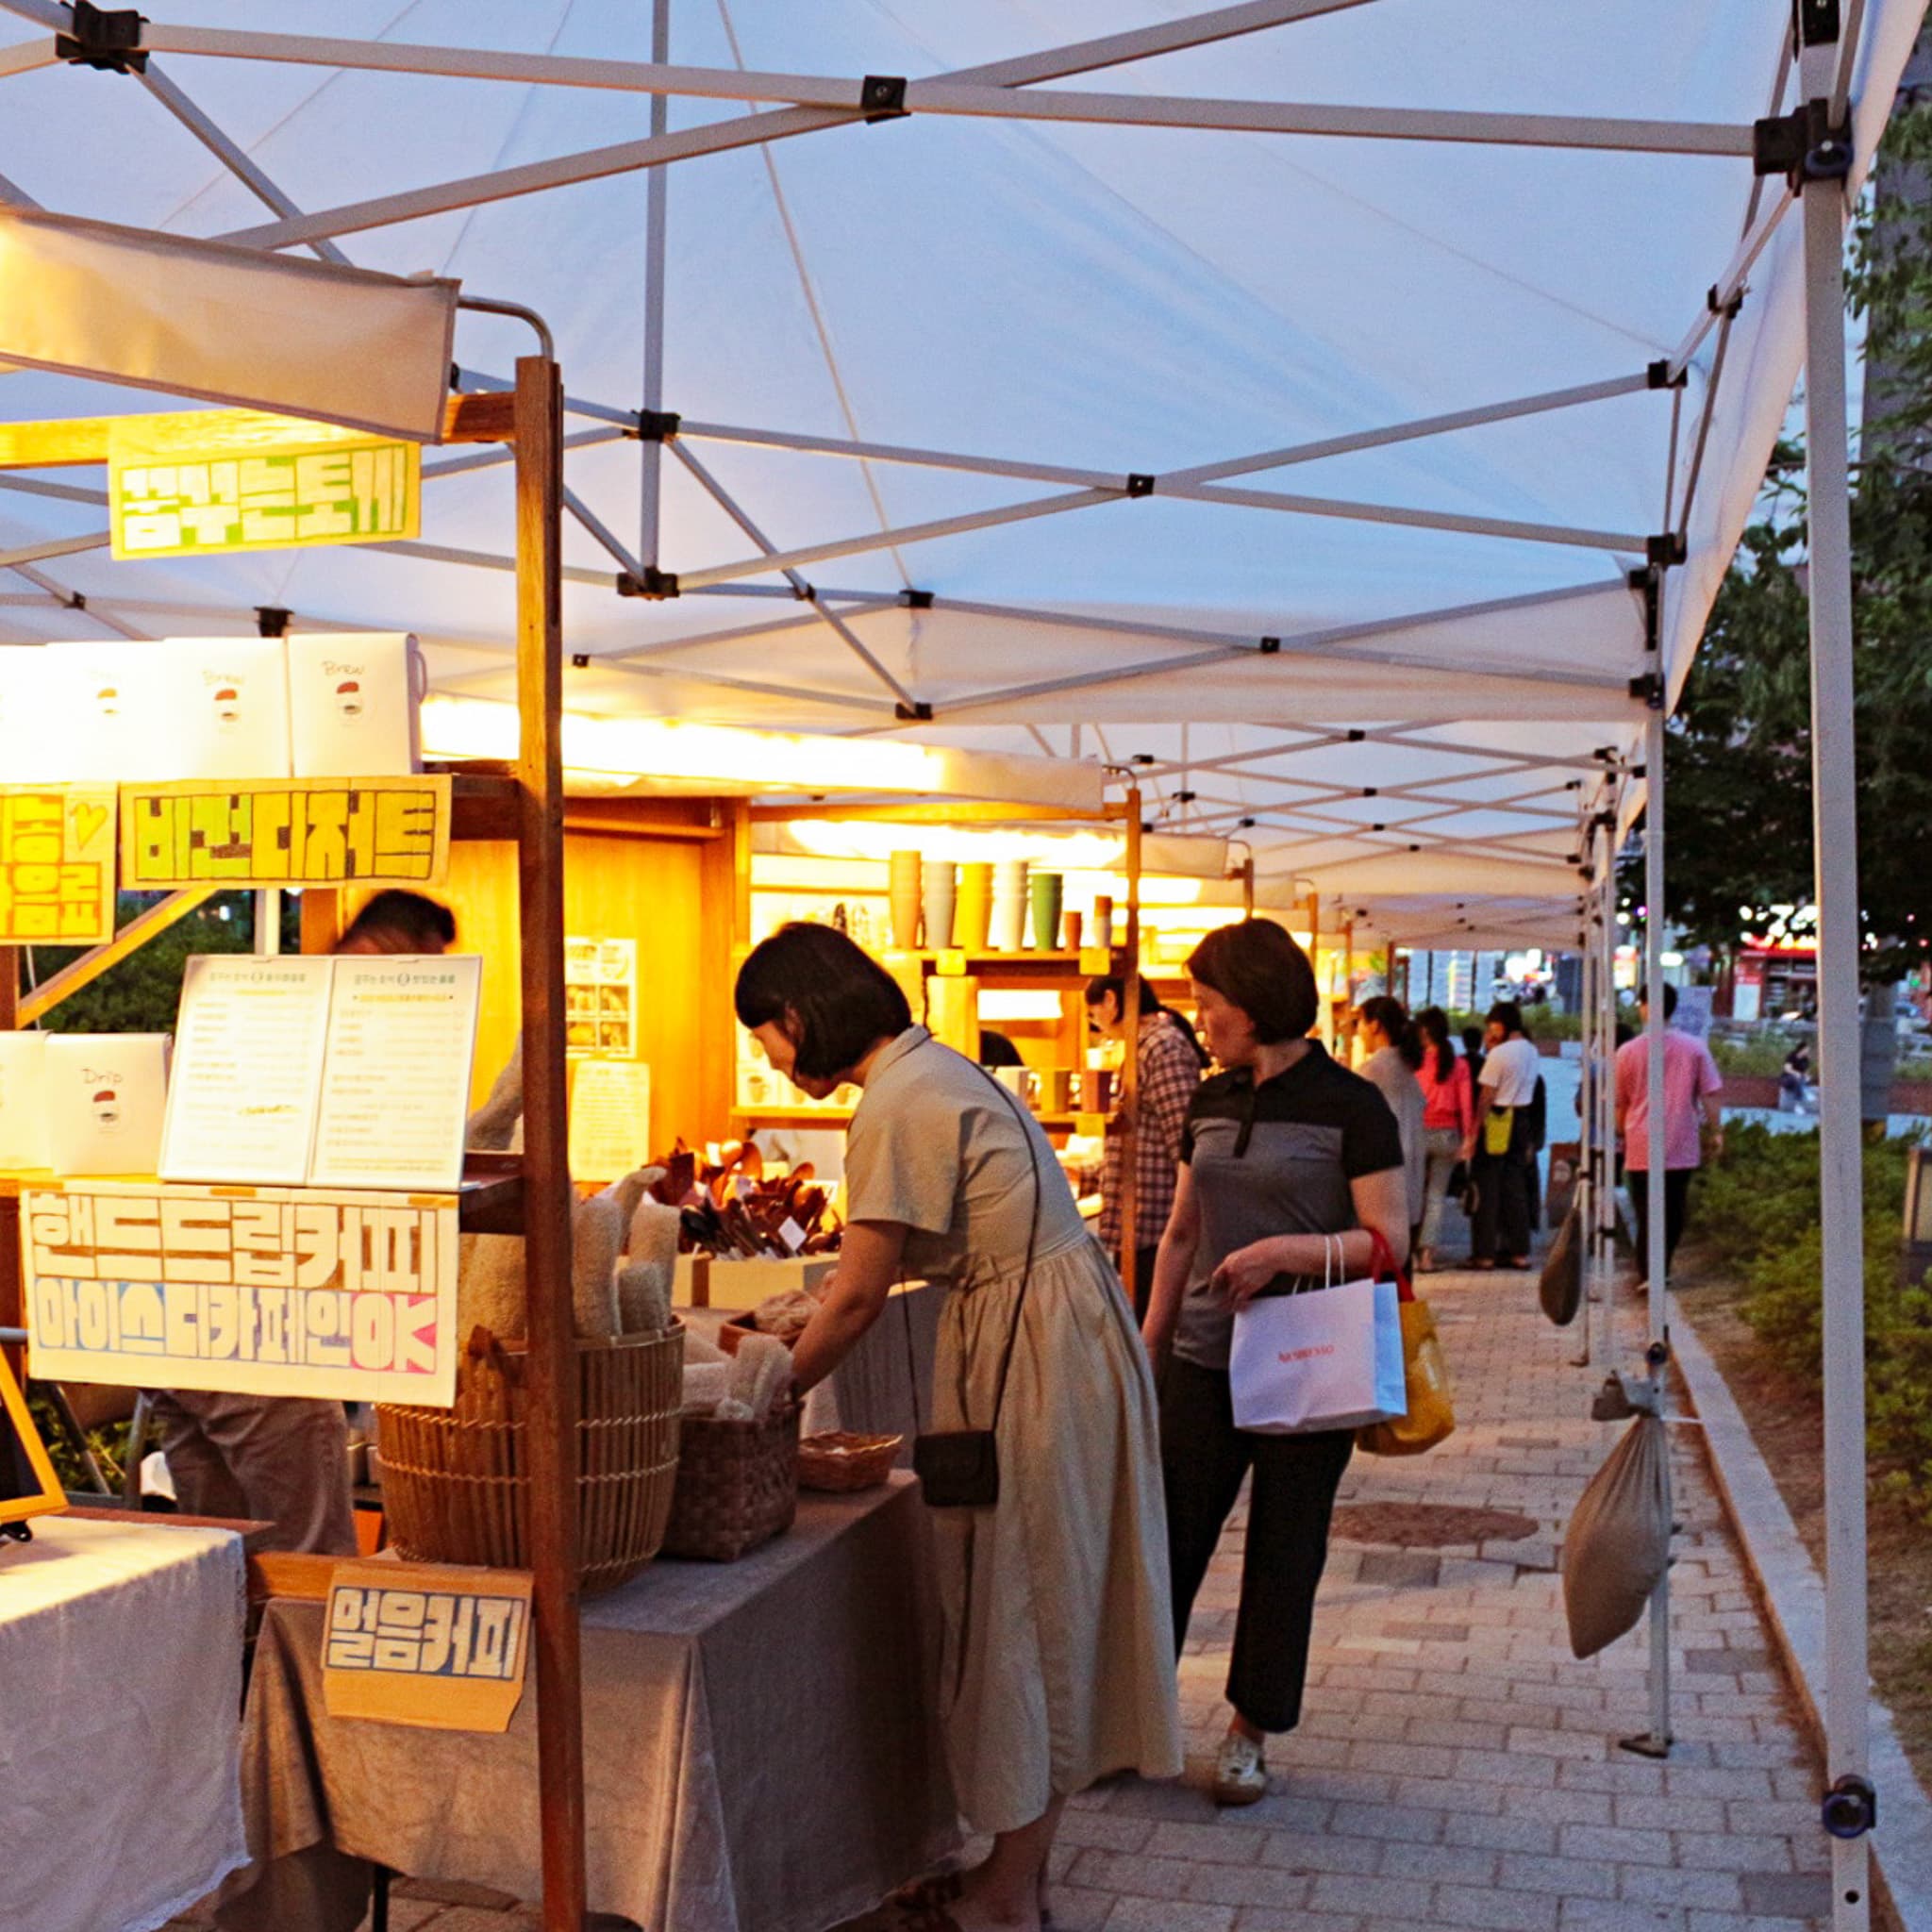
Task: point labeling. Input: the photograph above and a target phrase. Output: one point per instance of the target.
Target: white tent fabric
(1401, 672)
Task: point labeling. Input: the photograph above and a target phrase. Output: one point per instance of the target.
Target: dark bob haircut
(835, 1002)
(1257, 967)
(1506, 1014)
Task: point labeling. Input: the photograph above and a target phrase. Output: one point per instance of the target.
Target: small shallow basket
(457, 1481)
(843, 1462)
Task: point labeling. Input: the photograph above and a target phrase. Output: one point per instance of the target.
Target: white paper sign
(257, 1291)
(23, 1100)
(609, 1119)
(247, 1067)
(395, 1083)
(352, 703)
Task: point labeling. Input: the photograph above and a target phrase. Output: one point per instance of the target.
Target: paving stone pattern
(1456, 1770)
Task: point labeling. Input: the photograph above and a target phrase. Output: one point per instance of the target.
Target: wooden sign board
(438, 1645)
(56, 864)
(351, 1297)
(286, 832)
(205, 485)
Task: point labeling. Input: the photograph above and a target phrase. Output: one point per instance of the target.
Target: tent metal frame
(1007, 89)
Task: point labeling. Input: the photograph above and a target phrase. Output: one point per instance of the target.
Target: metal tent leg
(1850, 1806)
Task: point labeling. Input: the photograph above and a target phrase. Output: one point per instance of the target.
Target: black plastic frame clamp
(272, 621)
(108, 41)
(1140, 483)
(1649, 690)
(882, 97)
(916, 600)
(655, 584)
(1850, 1808)
(1805, 145)
(655, 426)
(1658, 374)
(1667, 550)
(1271, 647)
(920, 713)
(1728, 310)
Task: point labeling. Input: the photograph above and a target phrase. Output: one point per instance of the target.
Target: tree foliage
(1739, 754)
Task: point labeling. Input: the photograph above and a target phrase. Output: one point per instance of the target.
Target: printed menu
(348, 1072)
(396, 1085)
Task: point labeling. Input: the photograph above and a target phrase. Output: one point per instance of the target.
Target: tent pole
(657, 188)
(552, 1426)
(1129, 970)
(1591, 1062)
(1835, 835)
(1657, 1742)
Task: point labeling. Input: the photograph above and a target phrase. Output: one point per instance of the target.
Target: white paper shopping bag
(23, 1100)
(111, 713)
(227, 707)
(1329, 1358)
(352, 703)
(106, 1096)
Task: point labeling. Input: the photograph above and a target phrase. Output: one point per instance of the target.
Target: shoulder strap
(1032, 1237)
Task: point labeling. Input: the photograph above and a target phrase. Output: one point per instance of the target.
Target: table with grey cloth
(762, 1749)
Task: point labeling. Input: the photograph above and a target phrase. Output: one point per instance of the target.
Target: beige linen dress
(1059, 1660)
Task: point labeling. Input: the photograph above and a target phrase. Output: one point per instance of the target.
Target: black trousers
(1203, 1459)
(1142, 1285)
(1502, 1206)
(1677, 1204)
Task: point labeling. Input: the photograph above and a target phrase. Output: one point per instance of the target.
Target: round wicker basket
(456, 1481)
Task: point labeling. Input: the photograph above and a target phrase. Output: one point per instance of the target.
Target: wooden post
(1130, 1062)
(552, 1389)
(1248, 886)
(1323, 1007)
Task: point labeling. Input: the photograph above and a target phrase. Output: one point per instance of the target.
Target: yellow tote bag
(1497, 1128)
(1431, 1411)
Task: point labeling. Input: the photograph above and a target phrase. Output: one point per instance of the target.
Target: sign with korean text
(436, 1644)
(250, 1290)
(56, 864)
(286, 832)
(215, 482)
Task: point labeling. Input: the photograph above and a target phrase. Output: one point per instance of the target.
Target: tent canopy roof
(983, 326)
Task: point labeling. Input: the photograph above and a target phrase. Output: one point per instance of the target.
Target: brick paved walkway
(1455, 1767)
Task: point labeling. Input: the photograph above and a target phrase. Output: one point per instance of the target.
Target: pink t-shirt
(1445, 1103)
(1690, 1074)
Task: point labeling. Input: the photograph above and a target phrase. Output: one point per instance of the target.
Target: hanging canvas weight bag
(959, 1469)
(1327, 1358)
(1431, 1414)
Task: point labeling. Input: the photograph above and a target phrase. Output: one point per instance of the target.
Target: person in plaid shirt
(1171, 1064)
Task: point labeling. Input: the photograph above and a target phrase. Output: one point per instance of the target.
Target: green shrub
(1757, 1212)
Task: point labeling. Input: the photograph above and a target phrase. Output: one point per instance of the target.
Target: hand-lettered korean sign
(251, 1290)
(432, 1644)
(286, 832)
(207, 482)
(57, 863)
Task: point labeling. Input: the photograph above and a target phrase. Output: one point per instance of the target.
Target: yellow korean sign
(250, 1290)
(56, 864)
(436, 1644)
(285, 832)
(216, 481)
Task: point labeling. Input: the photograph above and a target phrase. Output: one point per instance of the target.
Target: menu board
(247, 1066)
(347, 1071)
(395, 1083)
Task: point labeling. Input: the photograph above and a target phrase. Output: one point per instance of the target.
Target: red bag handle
(1382, 1265)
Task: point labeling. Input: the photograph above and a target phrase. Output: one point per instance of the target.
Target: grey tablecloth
(761, 1748)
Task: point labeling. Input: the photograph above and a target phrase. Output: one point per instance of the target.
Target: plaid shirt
(1170, 1072)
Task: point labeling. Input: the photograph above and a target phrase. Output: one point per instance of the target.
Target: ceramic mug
(905, 893)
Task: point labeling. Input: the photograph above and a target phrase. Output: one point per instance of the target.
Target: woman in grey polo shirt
(1283, 1149)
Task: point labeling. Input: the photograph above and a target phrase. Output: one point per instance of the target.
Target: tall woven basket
(456, 1482)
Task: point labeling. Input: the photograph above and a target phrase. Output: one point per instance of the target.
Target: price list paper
(396, 1082)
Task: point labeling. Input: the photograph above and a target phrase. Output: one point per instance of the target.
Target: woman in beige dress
(1058, 1661)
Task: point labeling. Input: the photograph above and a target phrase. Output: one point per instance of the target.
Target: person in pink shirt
(1448, 1114)
(1692, 1086)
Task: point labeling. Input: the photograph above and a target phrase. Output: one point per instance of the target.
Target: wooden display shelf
(839, 1117)
(491, 1200)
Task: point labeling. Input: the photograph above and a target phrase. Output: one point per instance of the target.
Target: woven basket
(842, 1462)
(737, 1486)
(457, 1481)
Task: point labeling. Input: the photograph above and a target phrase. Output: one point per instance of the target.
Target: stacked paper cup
(973, 911)
(940, 886)
(1009, 905)
(905, 891)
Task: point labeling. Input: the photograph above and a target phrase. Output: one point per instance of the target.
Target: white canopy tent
(1349, 409)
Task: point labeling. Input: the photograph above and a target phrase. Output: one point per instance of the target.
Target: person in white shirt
(1498, 1146)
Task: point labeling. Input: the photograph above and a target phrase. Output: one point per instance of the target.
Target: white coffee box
(228, 707)
(23, 1100)
(352, 703)
(106, 1095)
(30, 729)
(108, 707)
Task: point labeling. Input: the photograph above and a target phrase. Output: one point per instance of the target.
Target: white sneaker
(1240, 1772)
